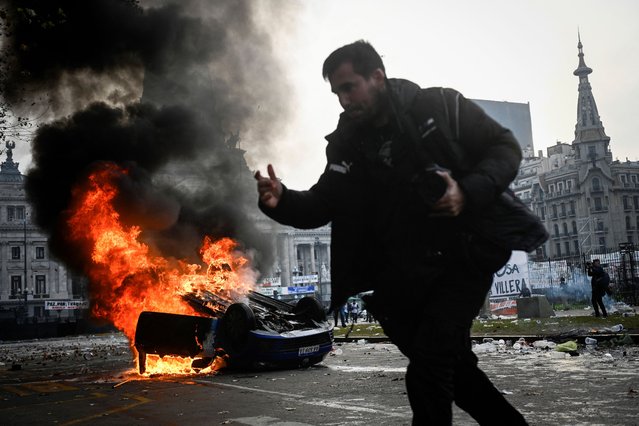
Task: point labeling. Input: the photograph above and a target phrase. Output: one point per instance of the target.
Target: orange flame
(128, 277)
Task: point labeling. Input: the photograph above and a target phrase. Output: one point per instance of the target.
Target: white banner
(266, 291)
(59, 305)
(510, 280)
(270, 282)
(304, 279)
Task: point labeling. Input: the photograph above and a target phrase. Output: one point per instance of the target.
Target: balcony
(562, 193)
(41, 296)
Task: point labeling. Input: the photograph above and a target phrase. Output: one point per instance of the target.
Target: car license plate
(308, 350)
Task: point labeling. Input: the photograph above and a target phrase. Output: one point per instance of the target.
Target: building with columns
(302, 264)
(33, 286)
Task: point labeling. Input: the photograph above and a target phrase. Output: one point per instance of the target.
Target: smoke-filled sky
(517, 51)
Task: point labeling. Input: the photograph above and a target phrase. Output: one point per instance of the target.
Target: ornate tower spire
(589, 127)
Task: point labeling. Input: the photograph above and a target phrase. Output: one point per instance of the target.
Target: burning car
(262, 333)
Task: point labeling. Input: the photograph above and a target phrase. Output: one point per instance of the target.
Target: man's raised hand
(269, 188)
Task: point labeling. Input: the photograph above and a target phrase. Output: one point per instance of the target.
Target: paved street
(83, 380)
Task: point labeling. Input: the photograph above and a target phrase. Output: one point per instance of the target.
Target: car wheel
(310, 309)
(237, 322)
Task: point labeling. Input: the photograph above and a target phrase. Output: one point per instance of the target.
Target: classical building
(588, 201)
(302, 264)
(33, 286)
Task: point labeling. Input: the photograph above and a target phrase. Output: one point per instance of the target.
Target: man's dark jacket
(348, 196)
(599, 281)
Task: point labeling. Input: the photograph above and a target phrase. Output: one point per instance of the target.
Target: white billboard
(512, 278)
(59, 305)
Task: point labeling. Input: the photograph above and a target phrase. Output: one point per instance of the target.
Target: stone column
(314, 267)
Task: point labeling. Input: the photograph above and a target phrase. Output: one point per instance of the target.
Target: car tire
(237, 322)
(310, 309)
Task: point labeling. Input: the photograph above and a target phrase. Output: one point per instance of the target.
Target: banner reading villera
(510, 280)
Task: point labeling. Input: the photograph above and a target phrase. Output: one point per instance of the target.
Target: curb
(578, 338)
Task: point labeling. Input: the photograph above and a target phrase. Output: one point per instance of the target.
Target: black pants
(432, 328)
(442, 370)
(597, 302)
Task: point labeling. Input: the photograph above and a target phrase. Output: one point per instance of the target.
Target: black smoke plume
(162, 89)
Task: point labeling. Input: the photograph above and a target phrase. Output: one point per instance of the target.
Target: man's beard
(377, 110)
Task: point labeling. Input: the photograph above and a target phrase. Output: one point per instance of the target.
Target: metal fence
(621, 264)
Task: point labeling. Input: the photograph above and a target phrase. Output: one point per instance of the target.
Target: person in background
(341, 314)
(598, 284)
(354, 312)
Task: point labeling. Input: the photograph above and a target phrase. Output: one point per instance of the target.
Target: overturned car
(261, 333)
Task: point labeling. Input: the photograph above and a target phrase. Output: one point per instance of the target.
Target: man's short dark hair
(361, 54)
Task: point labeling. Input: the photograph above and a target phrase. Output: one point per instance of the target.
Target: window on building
(567, 247)
(16, 285)
(622, 179)
(633, 178)
(572, 207)
(626, 202)
(560, 186)
(40, 284)
(635, 200)
(628, 224)
(598, 204)
(565, 227)
(563, 209)
(558, 247)
(574, 227)
(630, 239)
(602, 243)
(599, 225)
(39, 252)
(15, 253)
(551, 188)
(554, 210)
(576, 246)
(596, 184)
(15, 213)
(569, 184)
(556, 229)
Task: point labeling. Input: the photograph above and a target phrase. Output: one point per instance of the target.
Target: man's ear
(378, 77)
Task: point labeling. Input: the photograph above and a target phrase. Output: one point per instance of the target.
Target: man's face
(360, 97)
